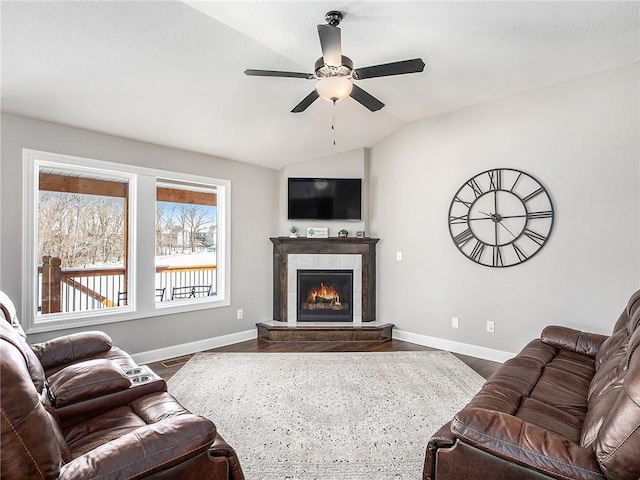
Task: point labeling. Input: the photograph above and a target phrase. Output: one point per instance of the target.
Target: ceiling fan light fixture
(334, 89)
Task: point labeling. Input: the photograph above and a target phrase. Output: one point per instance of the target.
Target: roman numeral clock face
(501, 217)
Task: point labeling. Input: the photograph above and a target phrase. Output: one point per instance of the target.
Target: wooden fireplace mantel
(284, 246)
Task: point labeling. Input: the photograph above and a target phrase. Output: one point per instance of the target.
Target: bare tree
(80, 229)
(194, 219)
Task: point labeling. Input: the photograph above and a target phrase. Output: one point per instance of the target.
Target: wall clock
(501, 217)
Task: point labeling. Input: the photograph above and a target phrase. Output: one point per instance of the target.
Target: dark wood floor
(167, 368)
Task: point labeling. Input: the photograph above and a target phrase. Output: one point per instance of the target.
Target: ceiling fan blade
(369, 101)
(386, 70)
(275, 73)
(308, 100)
(330, 41)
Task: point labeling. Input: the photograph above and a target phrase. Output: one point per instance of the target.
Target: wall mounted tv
(325, 199)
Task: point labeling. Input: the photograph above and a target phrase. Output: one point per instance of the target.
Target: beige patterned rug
(327, 416)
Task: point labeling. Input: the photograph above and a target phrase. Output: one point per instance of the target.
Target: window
(186, 241)
(95, 255)
(81, 248)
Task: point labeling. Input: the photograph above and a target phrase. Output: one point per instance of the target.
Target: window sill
(65, 321)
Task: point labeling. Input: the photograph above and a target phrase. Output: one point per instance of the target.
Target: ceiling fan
(335, 72)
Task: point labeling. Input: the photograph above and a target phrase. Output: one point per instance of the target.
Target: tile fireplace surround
(291, 254)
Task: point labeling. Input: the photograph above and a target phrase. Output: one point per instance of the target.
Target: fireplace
(325, 295)
(356, 255)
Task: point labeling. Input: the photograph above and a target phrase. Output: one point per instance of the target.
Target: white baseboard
(173, 351)
(453, 346)
(419, 339)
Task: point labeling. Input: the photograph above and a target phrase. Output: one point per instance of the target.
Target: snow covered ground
(186, 259)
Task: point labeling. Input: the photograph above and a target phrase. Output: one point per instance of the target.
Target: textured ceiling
(171, 73)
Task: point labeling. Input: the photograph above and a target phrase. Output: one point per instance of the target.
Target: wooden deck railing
(77, 289)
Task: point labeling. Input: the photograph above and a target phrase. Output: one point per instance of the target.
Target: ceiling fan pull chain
(333, 121)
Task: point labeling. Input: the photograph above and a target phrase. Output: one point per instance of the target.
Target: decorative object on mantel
(318, 232)
(294, 232)
(360, 234)
(501, 217)
(343, 233)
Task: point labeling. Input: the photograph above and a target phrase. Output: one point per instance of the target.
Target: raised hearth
(324, 332)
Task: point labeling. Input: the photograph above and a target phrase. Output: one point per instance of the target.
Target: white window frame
(141, 233)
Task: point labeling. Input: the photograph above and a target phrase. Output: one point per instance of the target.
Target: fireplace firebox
(325, 295)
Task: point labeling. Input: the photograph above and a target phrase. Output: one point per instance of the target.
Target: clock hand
(505, 227)
(498, 219)
(482, 218)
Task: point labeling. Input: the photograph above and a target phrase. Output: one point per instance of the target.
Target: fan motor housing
(333, 18)
(323, 71)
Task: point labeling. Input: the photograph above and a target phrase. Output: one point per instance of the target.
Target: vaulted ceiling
(171, 72)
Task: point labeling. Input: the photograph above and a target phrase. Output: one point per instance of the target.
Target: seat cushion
(143, 411)
(151, 434)
(86, 436)
(564, 384)
(543, 385)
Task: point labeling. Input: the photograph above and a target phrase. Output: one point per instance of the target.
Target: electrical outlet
(454, 322)
(240, 314)
(399, 256)
(491, 328)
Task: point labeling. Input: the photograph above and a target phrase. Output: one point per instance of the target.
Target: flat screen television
(325, 199)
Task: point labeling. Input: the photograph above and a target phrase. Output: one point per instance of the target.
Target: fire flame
(324, 294)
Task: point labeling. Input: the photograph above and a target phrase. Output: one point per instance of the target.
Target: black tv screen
(325, 199)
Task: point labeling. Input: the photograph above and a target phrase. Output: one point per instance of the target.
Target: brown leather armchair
(71, 409)
(566, 407)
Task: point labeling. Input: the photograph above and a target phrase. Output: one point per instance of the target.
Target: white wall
(351, 164)
(581, 140)
(254, 218)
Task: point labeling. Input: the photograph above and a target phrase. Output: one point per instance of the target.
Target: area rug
(327, 416)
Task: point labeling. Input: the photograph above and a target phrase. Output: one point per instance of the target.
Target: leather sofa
(566, 407)
(77, 407)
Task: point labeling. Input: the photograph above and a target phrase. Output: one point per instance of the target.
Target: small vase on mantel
(294, 232)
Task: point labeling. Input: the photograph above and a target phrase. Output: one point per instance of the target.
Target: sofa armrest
(144, 451)
(526, 444)
(573, 340)
(220, 448)
(86, 380)
(71, 348)
(443, 438)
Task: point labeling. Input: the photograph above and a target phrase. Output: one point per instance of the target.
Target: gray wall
(351, 164)
(254, 218)
(581, 139)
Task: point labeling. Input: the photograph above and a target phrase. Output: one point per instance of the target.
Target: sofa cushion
(152, 433)
(544, 386)
(86, 436)
(9, 312)
(526, 444)
(563, 388)
(24, 421)
(611, 373)
(572, 340)
(16, 334)
(612, 428)
(86, 380)
(627, 323)
(62, 351)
